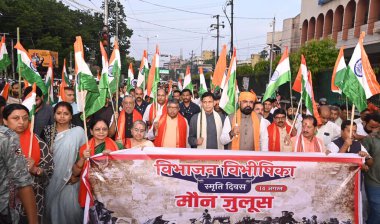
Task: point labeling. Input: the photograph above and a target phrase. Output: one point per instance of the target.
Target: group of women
(56, 160)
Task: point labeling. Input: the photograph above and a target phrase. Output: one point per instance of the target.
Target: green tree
(244, 70)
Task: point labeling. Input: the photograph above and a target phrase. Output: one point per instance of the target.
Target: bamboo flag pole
(352, 122)
(113, 108)
(295, 117)
(83, 96)
(31, 137)
(19, 67)
(291, 92)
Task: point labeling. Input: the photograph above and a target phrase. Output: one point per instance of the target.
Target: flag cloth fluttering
(5, 61)
(187, 84)
(339, 72)
(28, 69)
(49, 78)
(114, 68)
(280, 76)
(86, 87)
(130, 78)
(220, 70)
(5, 92)
(202, 82)
(154, 76)
(30, 101)
(359, 83)
(143, 72)
(229, 96)
(64, 83)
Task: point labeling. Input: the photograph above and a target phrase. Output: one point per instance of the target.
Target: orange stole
(274, 137)
(121, 124)
(24, 143)
(256, 131)
(181, 131)
(110, 145)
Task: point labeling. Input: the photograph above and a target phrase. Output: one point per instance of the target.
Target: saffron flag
(130, 78)
(4, 57)
(229, 96)
(154, 75)
(187, 84)
(28, 69)
(49, 78)
(359, 81)
(143, 72)
(114, 68)
(280, 76)
(5, 92)
(30, 101)
(64, 83)
(220, 69)
(339, 72)
(86, 88)
(202, 80)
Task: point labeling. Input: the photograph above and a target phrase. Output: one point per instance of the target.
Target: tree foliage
(244, 70)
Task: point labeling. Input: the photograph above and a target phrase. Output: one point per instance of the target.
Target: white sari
(62, 204)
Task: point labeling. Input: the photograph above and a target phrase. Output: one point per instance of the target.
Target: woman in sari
(40, 163)
(62, 192)
(99, 143)
(138, 133)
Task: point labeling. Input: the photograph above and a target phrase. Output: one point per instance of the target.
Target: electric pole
(117, 9)
(231, 22)
(216, 27)
(271, 48)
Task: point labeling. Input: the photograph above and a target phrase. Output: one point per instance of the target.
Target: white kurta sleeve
(332, 147)
(146, 113)
(263, 136)
(225, 136)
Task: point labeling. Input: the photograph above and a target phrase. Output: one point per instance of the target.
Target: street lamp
(147, 44)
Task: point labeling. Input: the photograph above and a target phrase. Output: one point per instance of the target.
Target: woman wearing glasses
(138, 136)
(99, 143)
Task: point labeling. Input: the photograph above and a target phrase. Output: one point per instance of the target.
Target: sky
(184, 25)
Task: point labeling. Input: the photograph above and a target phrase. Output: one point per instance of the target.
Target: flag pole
(31, 136)
(352, 122)
(113, 108)
(347, 107)
(296, 115)
(84, 116)
(19, 67)
(291, 92)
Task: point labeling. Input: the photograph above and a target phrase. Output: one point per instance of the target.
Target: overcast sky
(177, 29)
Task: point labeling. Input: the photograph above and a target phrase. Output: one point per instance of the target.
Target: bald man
(245, 129)
(327, 131)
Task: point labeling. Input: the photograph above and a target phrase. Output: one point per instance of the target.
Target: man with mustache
(307, 141)
(328, 131)
(291, 115)
(140, 104)
(278, 131)
(258, 107)
(361, 123)
(245, 130)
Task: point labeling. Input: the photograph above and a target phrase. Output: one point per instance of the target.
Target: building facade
(288, 37)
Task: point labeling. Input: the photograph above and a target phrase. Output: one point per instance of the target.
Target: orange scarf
(274, 137)
(110, 145)
(25, 141)
(181, 135)
(256, 131)
(153, 112)
(121, 124)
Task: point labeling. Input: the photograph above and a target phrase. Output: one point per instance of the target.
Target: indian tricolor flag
(5, 92)
(114, 68)
(179, 83)
(219, 77)
(229, 96)
(280, 76)
(143, 72)
(339, 72)
(64, 83)
(154, 75)
(187, 81)
(86, 87)
(131, 76)
(4, 57)
(28, 69)
(360, 81)
(202, 80)
(49, 81)
(30, 101)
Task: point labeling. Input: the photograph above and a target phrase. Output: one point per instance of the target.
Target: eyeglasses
(139, 130)
(100, 129)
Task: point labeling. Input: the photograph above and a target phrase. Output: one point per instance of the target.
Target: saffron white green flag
(49, 82)
(187, 81)
(339, 72)
(154, 76)
(230, 91)
(202, 80)
(30, 101)
(28, 69)
(130, 78)
(114, 68)
(4, 57)
(143, 72)
(280, 76)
